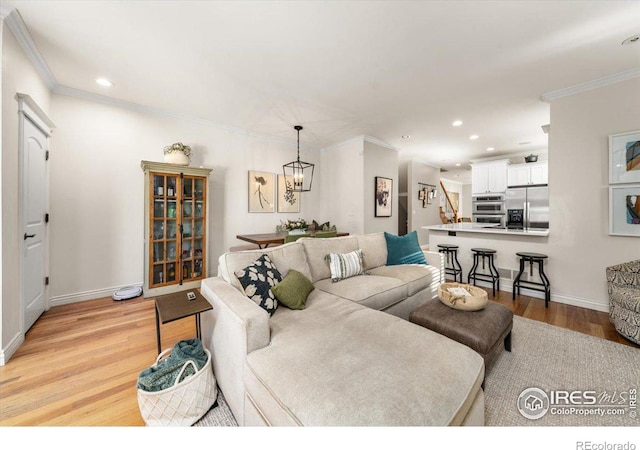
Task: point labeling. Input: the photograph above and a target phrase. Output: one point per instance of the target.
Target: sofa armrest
(626, 274)
(235, 327)
(436, 259)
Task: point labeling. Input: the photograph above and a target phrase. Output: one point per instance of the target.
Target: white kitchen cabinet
(526, 174)
(489, 177)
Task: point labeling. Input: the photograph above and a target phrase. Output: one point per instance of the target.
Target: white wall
(379, 161)
(419, 216)
(579, 245)
(343, 185)
(466, 204)
(18, 75)
(97, 190)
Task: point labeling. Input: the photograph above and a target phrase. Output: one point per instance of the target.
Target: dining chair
(326, 234)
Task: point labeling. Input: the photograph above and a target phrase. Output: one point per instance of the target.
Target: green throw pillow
(293, 290)
(404, 249)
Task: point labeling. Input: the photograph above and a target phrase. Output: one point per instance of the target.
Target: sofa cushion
(352, 366)
(417, 277)
(368, 290)
(404, 249)
(345, 265)
(317, 249)
(257, 279)
(374, 249)
(285, 257)
(293, 290)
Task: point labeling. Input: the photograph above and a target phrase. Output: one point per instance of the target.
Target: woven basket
(474, 302)
(185, 402)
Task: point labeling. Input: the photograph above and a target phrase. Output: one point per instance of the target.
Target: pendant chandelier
(298, 174)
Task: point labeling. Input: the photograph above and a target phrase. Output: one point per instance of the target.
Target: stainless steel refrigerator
(527, 207)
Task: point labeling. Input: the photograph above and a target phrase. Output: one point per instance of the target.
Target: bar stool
(493, 276)
(546, 285)
(451, 263)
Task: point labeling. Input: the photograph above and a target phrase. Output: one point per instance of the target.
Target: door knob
(27, 236)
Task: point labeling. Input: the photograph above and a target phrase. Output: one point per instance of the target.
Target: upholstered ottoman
(482, 330)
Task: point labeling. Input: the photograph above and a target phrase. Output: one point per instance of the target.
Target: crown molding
(124, 104)
(380, 142)
(5, 11)
(361, 138)
(16, 24)
(340, 144)
(590, 85)
(19, 29)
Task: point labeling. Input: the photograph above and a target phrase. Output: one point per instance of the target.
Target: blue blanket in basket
(163, 375)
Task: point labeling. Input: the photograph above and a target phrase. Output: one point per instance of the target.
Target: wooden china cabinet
(175, 227)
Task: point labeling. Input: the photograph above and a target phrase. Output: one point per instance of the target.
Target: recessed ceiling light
(473, 137)
(490, 149)
(457, 123)
(104, 82)
(458, 164)
(524, 143)
(631, 40)
(406, 136)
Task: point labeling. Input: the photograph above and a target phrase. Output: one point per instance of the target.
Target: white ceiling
(343, 69)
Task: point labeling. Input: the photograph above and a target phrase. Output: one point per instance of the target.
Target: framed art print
(262, 189)
(624, 158)
(624, 210)
(288, 200)
(384, 195)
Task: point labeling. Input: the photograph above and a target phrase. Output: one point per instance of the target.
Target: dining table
(263, 240)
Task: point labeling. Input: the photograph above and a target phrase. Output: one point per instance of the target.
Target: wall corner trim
(590, 85)
(87, 295)
(14, 344)
(20, 31)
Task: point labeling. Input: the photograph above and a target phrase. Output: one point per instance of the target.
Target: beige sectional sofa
(350, 358)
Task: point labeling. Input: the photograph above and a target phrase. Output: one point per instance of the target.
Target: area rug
(577, 368)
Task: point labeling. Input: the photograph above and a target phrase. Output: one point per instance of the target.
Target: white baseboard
(86, 295)
(506, 285)
(7, 353)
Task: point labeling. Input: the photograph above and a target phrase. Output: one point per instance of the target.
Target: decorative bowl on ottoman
(464, 297)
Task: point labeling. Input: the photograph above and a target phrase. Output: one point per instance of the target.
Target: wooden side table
(176, 306)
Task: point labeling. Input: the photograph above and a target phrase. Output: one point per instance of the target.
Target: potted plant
(296, 226)
(177, 153)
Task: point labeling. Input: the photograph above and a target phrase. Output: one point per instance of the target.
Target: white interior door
(34, 204)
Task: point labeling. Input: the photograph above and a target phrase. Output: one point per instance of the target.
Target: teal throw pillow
(293, 290)
(404, 249)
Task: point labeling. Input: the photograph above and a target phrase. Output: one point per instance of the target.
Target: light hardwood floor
(80, 362)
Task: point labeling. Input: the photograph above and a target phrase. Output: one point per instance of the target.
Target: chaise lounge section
(350, 357)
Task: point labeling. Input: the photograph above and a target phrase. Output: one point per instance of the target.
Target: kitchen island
(505, 242)
(466, 227)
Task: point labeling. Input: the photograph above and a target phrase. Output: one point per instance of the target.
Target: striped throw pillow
(345, 265)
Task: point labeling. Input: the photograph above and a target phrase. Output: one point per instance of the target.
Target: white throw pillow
(345, 265)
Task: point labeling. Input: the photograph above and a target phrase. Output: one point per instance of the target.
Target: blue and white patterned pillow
(345, 265)
(257, 279)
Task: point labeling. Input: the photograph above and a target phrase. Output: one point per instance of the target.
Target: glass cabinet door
(193, 233)
(164, 226)
(177, 228)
